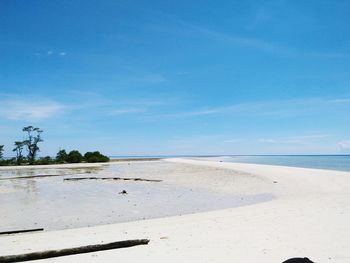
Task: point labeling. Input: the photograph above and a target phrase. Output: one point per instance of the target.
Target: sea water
(329, 162)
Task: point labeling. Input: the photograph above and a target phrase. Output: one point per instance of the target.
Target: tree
(61, 156)
(32, 142)
(1, 151)
(19, 149)
(44, 160)
(74, 157)
(95, 157)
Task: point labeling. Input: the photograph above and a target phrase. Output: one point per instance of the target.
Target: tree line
(27, 150)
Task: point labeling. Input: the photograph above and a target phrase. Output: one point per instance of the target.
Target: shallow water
(328, 162)
(52, 203)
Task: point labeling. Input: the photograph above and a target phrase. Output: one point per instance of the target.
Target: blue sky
(177, 77)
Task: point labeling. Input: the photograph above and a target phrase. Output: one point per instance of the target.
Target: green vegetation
(61, 156)
(19, 149)
(30, 145)
(45, 160)
(32, 142)
(95, 157)
(74, 157)
(1, 151)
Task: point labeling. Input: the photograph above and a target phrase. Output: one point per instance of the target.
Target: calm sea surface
(330, 162)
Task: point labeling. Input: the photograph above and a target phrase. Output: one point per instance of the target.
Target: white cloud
(49, 52)
(18, 109)
(344, 145)
(63, 53)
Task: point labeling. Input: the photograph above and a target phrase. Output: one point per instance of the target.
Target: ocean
(329, 162)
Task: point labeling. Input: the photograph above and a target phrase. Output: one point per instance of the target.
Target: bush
(45, 160)
(95, 157)
(61, 156)
(74, 157)
(1, 151)
(6, 162)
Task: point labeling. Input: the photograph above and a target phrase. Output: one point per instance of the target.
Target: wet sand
(53, 204)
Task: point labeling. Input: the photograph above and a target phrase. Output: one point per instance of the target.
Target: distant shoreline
(134, 159)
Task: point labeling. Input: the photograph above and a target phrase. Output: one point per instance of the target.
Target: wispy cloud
(100, 105)
(152, 78)
(260, 18)
(344, 145)
(29, 110)
(277, 108)
(116, 112)
(51, 53)
(167, 108)
(298, 139)
(248, 42)
(140, 79)
(157, 101)
(181, 73)
(312, 136)
(272, 47)
(234, 140)
(263, 45)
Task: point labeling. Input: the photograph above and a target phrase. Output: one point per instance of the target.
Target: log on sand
(21, 231)
(111, 178)
(34, 176)
(72, 251)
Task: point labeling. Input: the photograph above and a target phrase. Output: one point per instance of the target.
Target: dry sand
(309, 217)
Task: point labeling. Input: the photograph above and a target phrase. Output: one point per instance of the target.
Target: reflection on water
(52, 203)
(48, 171)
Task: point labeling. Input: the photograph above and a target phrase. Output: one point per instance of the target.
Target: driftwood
(298, 260)
(21, 231)
(72, 251)
(111, 178)
(33, 176)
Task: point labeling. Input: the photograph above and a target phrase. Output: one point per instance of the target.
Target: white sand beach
(308, 216)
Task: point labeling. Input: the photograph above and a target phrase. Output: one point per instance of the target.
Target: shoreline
(148, 159)
(309, 218)
(52, 166)
(135, 159)
(76, 165)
